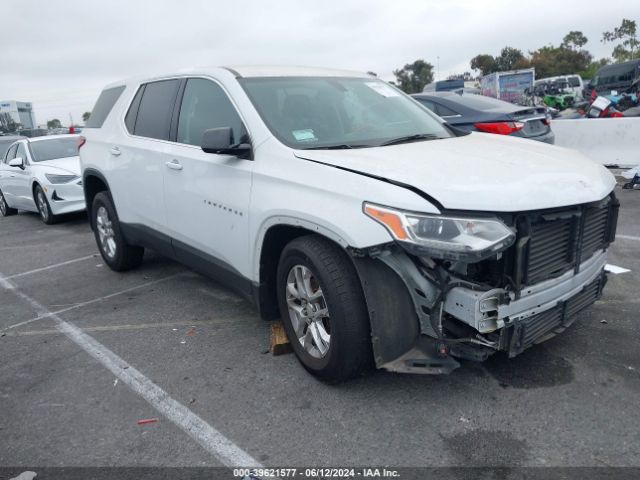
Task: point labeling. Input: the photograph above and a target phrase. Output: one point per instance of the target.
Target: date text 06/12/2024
(263, 473)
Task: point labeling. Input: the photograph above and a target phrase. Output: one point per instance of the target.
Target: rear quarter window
(132, 114)
(103, 106)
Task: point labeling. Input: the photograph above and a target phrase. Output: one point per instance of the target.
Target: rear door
(139, 158)
(207, 195)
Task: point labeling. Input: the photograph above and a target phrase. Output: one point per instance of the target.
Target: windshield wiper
(343, 146)
(411, 138)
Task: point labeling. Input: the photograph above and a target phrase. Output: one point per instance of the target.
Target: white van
(379, 234)
(575, 84)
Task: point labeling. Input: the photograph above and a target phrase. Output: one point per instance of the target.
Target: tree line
(568, 57)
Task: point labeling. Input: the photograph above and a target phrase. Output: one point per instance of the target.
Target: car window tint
(444, 111)
(4, 147)
(132, 114)
(156, 106)
(205, 105)
(11, 154)
(43, 150)
(427, 103)
(103, 106)
(22, 152)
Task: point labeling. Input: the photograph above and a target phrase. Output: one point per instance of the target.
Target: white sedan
(42, 175)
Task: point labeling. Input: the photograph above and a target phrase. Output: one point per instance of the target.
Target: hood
(70, 164)
(481, 172)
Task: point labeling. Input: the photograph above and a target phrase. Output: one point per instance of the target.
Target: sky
(59, 55)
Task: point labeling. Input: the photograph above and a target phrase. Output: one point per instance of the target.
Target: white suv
(378, 233)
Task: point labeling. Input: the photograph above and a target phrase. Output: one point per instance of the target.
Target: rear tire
(44, 209)
(329, 306)
(5, 209)
(116, 252)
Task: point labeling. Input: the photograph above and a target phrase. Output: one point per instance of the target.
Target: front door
(7, 174)
(20, 182)
(207, 195)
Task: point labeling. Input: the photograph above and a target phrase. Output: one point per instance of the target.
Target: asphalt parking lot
(572, 401)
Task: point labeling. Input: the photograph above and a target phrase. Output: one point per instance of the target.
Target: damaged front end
(518, 286)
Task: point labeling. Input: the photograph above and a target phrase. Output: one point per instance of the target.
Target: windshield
(44, 150)
(342, 112)
(574, 82)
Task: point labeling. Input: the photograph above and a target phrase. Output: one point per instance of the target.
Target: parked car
(478, 113)
(42, 175)
(379, 234)
(617, 77)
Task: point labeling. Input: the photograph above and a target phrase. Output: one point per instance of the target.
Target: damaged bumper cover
(491, 310)
(406, 313)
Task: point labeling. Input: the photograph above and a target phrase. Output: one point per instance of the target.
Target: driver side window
(205, 105)
(22, 152)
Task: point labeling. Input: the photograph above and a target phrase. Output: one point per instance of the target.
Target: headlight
(445, 237)
(59, 179)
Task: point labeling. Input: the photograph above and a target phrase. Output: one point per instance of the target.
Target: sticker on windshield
(306, 135)
(383, 89)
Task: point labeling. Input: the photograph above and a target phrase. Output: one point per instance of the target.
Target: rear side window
(427, 103)
(574, 82)
(103, 106)
(132, 114)
(154, 115)
(205, 105)
(443, 111)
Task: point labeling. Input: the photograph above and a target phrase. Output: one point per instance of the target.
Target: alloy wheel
(105, 232)
(42, 205)
(308, 311)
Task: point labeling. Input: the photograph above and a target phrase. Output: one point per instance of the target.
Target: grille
(545, 325)
(549, 243)
(560, 241)
(551, 249)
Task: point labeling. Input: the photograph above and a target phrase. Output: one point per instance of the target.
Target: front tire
(323, 309)
(5, 209)
(44, 209)
(116, 252)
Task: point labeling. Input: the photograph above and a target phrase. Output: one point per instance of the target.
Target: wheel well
(92, 186)
(276, 238)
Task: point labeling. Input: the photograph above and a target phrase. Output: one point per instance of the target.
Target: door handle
(174, 165)
(115, 151)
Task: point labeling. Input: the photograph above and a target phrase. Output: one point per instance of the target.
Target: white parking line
(208, 437)
(628, 237)
(43, 269)
(218, 322)
(42, 314)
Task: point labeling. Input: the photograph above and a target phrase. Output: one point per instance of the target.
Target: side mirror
(17, 162)
(220, 140)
